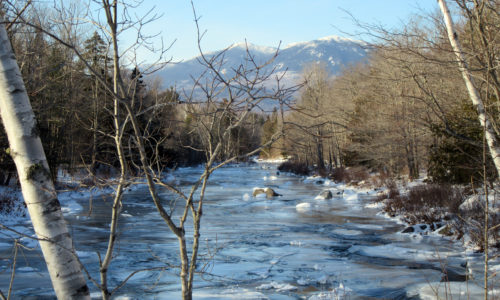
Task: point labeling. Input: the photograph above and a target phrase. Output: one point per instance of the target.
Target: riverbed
(294, 246)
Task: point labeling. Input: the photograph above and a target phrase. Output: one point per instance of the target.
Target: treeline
(75, 112)
(405, 110)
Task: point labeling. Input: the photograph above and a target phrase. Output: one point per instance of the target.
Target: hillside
(335, 52)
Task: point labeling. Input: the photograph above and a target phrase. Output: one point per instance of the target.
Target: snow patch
(342, 231)
(352, 197)
(305, 206)
(279, 287)
(396, 252)
(233, 293)
(449, 290)
(339, 293)
(271, 161)
(70, 206)
(252, 47)
(375, 205)
(84, 254)
(26, 269)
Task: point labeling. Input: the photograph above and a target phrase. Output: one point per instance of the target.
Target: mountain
(335, 52)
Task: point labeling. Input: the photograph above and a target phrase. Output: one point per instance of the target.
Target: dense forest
(404, 113)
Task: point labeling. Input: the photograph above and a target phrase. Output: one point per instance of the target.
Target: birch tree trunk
(490, 136)
(36, 183)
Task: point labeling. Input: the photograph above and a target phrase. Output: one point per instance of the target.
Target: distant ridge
(334, 51)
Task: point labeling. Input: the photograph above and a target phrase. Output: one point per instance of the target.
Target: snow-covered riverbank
(471, 282)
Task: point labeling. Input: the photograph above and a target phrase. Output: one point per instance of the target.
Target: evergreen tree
(96, 54)
(269, 129)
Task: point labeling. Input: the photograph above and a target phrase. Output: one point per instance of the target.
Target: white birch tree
(490, 136)
(37, 187)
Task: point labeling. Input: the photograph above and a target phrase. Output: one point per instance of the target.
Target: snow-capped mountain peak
(339, 39)
(335, 52)
(252, 47)
(327, 39)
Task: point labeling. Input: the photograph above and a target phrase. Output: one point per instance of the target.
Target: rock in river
(269, 192)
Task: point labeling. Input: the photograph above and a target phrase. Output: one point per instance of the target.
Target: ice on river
(287, 247)
(396, 252)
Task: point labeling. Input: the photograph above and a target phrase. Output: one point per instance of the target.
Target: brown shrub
(473, 220)
(338, 174)
(433, 195)
(350, 175)
(380, 179)
(392, 191)
(424, 203)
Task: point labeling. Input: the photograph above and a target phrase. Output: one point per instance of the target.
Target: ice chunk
(342, 231)
(305, 206)
(70, 206)
(279, 287)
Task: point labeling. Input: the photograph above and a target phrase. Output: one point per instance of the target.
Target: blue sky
(267, 22)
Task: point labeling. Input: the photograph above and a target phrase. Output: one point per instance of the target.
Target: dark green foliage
(7, 166)
(295, 167)
(269, 129)
(457, 154)
(95, 52)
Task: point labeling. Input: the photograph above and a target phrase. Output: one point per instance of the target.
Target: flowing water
(289, 247)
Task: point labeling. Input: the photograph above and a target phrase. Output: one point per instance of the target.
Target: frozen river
(289, 247)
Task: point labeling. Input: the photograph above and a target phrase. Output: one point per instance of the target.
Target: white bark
(37, 187)
(491, 138)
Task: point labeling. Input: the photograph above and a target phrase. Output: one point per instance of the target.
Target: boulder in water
(409, 229)
(269, 192)
(325, 194)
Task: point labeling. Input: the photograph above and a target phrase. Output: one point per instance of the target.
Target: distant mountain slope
(335, 52)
